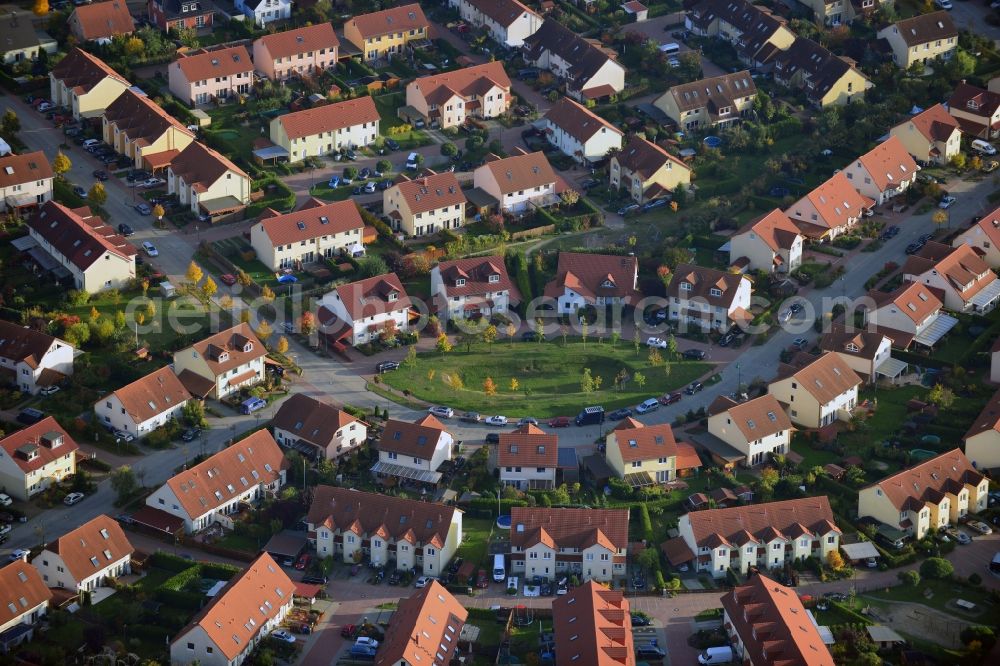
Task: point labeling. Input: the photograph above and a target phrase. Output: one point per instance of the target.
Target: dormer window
(393, 295)
(248, 347)
(460, 282)
(608, 284)
(685, 286)
(494, 278)
(715, 291)
(851, 347)
(972, 104)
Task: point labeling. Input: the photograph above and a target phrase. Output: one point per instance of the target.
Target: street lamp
(739, 379)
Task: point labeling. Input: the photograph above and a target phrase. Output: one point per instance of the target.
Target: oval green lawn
(549, 376)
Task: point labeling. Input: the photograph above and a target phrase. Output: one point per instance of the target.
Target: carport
(157, 521)
(891, 368)
(677, 551)
(859, 551)
(286, 545)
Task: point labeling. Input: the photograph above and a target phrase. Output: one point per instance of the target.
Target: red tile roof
(228, 349)
(645, 158)
(21, 590)
(576, 120)
(101, 540)
(528, 446)
(141, 119)
(372, 296)
(81, 71)
(826, 377)
(466, 82)
(757, 523)
(988, 419)
(431, 192)
(972, 100)
(925, 28)
(311, 419)
(301, 40)
(594, 275)
(935, 123)
(476, 272)
(203, 64)
(912, 299)
(702, 281)
(577, 528)
(593, 626)
(502, 12)
(889, 164)
(152, 395)
(757, 418)
(78, 235)
(966, 272)
(103, 20)
(836, 203)
(397, 19)
(20, 343)
(424, 629)
(775, 229)
(912, 487)
(636, 441)
(313, 221)
(419, 438)
(989, 226)
(38, 445)
(521, 172)
(329, 117)
(200, 167)
(851, 341)
(26, 168)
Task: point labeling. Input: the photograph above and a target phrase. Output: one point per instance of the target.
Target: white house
(213, 489)
(818, 393)
(317, 429)
(202, 76)
(509, 22)
(757, 428)
(832, 209)
(314, 232)
(362, 311)
(30, 359)
(519, 182)
(229, 627)
(771, 244)
(326, 129)
(960, 274)
(708, 299)
(426, 205)
(144, 405)
(911, 313)
(596, 280)
(590, 70)
(352, 524)
(262, 12)
(427, 623)
(982, 440)
(87, 557)
(866, 352)
(207, 183)
(884, 172)
(413, 451)
(984, 237)
(221, 364)
(24, 600)
(589, 543)
(449, 98)
(579, 133)
(527, 458)
(36, 457)
(25, 181)
(472, 287)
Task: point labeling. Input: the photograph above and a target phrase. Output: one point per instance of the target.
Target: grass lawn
(231, 248)
(239, 542)
(548, 373)
(942, 598)
(475, 535)
(387, 105)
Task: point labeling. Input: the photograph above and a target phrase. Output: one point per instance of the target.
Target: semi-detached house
(593, 625)
(922, 38)
(982, 441)
(306, 51)
(35, 458)
(527, 458)
(817, 392)
(959, 274)
(596, 280)
(214, 489)
(579, 133)
(413, 451)
(473, 287)
(262, 12)
(590, 71)
(424, 629)
(448, 99)
(87, 557)
(647, 171)
(362, 311)
(144, 405)
(832, 209)
(976, 110)
(202, 76)
(382, 35)
(317, 429)
(932, 136)
(352, 525)
(869, 353)
(326, 129)
(719, 101)
(758, 428)
(509, 22)
(910, 313)
(85, 83)
(770, 244)
(755, 32)
(176, 15)
(222, 363)
(101, 22)
(208, 183)
(24, 600)
(25, 181)
(708, 299)
(646, 455)
(518, 183)
(30, 359)
(983, 237)
(426, 205)
(553, 543)
(884, 172)
(825, 79)
(314, 232)
(138, 128)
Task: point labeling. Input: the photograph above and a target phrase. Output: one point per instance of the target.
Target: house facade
(221, 364)
(413, 451)
(448, 99)
(982, 441)
(181, 14)
(362, 311)
(817, 394)
(647, 171)
(965, 279)
(314, 232)
(388, 33)
(884, 172)
(326, 129)
(976, 110)
(25, 181)
(755, 32)
(473, 287)
(527, 458)
(595, 280)
(24, 601)
(207, 183)
(213, 490)
(101, 22)
(718, 101)
(262, 12)
(933, 494)
(771, 244)
(509, 22)
(864, 351)
(404, 534)
(708, 299)
(305, 51)
(983, 237)
(824, 78)
(86, 558)
(144, 405)
(30, 359)
(579, 133)
(36, 457)
(317, 429)
(642, 455)
(139, 129)
(932, 136)
(85, 83)
(22, 41)
(426, 205)
(588, 543)
(200, 77)
(519, 182)
(590, 71)
(910, 313)
(921, 39)
(832, 209)
(757, 428)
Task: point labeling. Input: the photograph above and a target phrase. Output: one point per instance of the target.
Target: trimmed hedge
(183, 600)
(182, 579)
(218, 570)
(170, 562)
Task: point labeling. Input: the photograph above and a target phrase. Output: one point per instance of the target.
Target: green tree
(640, 379)
(540, 329)
(448, 149)
(514, 384)
(134, 47)
(672, 347)
(583, 331)
(911, 577)
(77, 334)
(941, 395)
(123, 482)
(10, 124)
(383, 166)
(194, 413)
(985, 635)
(350, 172)
(587, 381)
(936, 568)
(371, 266)
(411, 357)
(570, 197)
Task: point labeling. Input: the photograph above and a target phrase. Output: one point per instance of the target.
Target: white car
(283, 635)
(512, 583)
(367, 641)
(48, 390)
(72, 499)
(947, 201)
(496, 420)
(153, 182)
(150, 249)
(532, 591)
(943, 4)
(443, 412)
(123, 436)
(656, 342)
(980, 527)
(423, 582)
(647, 406)
(871, 563)
(19, 554)
(5, 499)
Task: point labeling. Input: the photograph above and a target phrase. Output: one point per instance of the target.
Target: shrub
(911, 578)
(936, 568)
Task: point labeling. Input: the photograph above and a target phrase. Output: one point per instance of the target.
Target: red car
(560, 422)
(670, 398)
(304, 562)
(228, 278)
(347, 631)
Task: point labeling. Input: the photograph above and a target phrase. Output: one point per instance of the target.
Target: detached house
(976, 110)
(144, 405)
(262, 12)
(647, 171)
(982, 441)
(818, 393)
(138, 128)
(382, 35)
(593, 625)
(646, 455)
(473, 287)
(719, 101)
(959, 273)
(527, 458)
(352, 524)
(241, 615)
(208, 183)
(317, 429)
(867, 352)
(884, 172)
(922, 38)
(87, 557)
(579, 133)
(552, 543)
(25, 181)
(101, 22)
(830, 210)
(326, 129)
(709, 299)
(589, 70)
(593, 280)
(314, 232)
(758, 428)
(203, 76)
(932, 136)
(413, 451)
(450, 98)
(221, 364)
(771, 244)
(424, 629)
(933, 494)
(305, 51)
(983, 237)
(30, 359)
(910, 313)
(35, 458)
(212, 490)
(361, 311)
(22, 42)
(755, 32)
(170, 15)
(509, 22)
(519, 182)
(826, 79)
(95, 256)
(426, 205)
(832, 12)
(85, 83)
(760, 535)
(23, 602)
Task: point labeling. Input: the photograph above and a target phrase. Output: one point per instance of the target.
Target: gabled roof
(913, 299)
(925, 28)
(397, 19)
(312, 220)
(152, 395)
(21, 590)
(187, 9)
(822, 68)
(201, 167)
(861, 343)
(825, 378)
(204, 64)
(637, 442)
(578, 121)
(966, 272)
(714, 93)
(593, 626)
(569, 528)
(773, 625)
(756, 419)
(912, 487)
(103, 20)
(646, 158)
(310, 419)
(889, 164)
(988, 419)
(704, 282)
(96, 544)
(431, 192)
(775, 229)
(419, 439)
(760, 523)
(371, 296)
(528, 446)
(300, 40)
(80, 71)
(78, 235)
(989, 226)
(501, 12)
(329, 117)
(228, 349)
(755, 23)
(20, 343)
(935, 123)
(977, 101)
(424, 629)
(373, 513)
(476, 272)
(593, 275)
(38, 445)
(141, 119)
(475, 81)
(234, 617)
(254, 460)
(521, 172)
(836, 203)
(585, 57)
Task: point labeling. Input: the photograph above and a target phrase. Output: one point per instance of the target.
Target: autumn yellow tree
(282, 345)
(490, 335)
(443, 343)
(226, 302)
(209, 288)
(489, 386)
(835, 560)
(97, 196)
(514, 384)
(244, 316)
(134, 47)
(264, 330)
(41, 7)
(511, 330)
(61, 164)
(194, 273)
(267, 294)
(95, 314)
(158, 213)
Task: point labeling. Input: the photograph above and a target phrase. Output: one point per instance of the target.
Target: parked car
(497, 420)
(150, 249)
(913, 248)
(79, 191)
(282, 635)
(392, 144)
(694, 354)
(190, 434)
(100, 174)
(530, 336)
(620, 414)
(30, 416)
(947, 201)
(655, 203)
(649, 652)
(640, 620)
(386, 366)
(125, 230)
(19, 554)
(980, 527)
(647, 406)
(659, 343)
(251, 405)
(422, 582)
(800, 343)
(443, 412)
(367, 641)
(560, 422)
(304, 561)
(482, 579)
(227, 279)
(143, 208)
(472, 417)
(370, 187)
(72, 499)
(5, 500)
(48, 390)
(492, 438)
(670, 398)
(348, 630)
(694, 387)
(626, 210)
(153, 182)
(527, 420)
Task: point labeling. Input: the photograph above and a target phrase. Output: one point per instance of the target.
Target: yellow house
(85, 83)
(934, 494)
(21, 40)
(982, 441)
(752, 29)
(819, 393)
(647, 171)
(208, 183)
(426, 205)
(35, 458)
(921, 38)
(719, 101)
(326, 129)
(646, 455)
(139, 129)
(387, 33)
(825, 78)
(932, 136)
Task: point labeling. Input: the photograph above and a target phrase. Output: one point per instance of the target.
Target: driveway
(971, 15)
